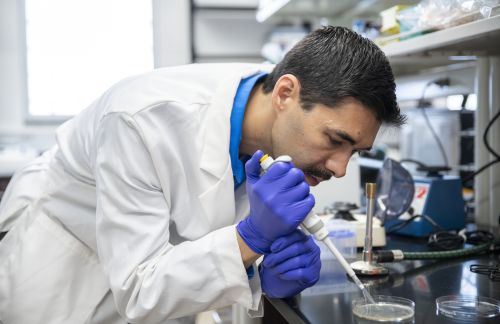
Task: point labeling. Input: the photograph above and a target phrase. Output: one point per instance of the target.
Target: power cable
(421, 105)
(395, 255)
(489, 148)
(479, 249)
(485, 136)
(446, 240)
(481, 169)
(464, 101)
(477, 237)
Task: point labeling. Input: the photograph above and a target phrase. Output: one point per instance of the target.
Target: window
(76, 49)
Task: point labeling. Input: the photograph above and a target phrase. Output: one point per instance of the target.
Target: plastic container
(333, 278)
(342, 233)
(464, 307)
(387, 309)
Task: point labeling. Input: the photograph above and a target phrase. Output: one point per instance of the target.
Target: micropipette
(315, 226)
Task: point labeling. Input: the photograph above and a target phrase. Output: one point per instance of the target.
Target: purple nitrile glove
(292, 266)
(279, 202)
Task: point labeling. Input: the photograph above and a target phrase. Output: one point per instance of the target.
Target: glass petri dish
(467, 307)
(386, 309)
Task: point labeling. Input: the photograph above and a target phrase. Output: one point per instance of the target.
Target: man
(129, 218)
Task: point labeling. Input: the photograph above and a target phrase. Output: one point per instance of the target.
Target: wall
(172, 32)
(172, 47)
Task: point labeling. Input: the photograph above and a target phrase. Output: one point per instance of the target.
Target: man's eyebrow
(344, 136)
(348, 138)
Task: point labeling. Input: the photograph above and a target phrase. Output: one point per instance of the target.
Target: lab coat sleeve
(21, 192)
(152, 280)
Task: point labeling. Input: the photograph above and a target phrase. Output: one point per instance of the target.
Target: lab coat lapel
(218, 199)
(216, 128)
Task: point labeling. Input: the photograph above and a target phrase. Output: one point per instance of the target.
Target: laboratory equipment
(393, 193)
(342, 233)
(439, 200)
(436, 200)
(386, 309)
(395, 190)
(344, 211)
(493, 272)
(332, 280)
(398, 255)
(315, 226)
(367, 266)
(378, 231)
(418, 143)
(465, 307)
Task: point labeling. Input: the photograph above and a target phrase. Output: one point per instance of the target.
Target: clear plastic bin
(342, 233)
(333, 278)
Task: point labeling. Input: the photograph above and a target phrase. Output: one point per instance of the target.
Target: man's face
(321, 141)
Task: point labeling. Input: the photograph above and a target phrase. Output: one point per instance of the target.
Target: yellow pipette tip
(263, 158)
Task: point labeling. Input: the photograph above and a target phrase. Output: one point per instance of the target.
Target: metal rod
(370, 205)
(367, 266)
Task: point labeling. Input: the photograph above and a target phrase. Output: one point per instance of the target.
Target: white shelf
(325, 8)
(224, 34)
(480, 38)
(226, 3)
(267, 8)
(301, 8)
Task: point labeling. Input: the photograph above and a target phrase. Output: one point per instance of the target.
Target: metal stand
(367, 266)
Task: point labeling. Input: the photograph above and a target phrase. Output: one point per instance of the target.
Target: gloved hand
(279, 202)
(292, 266)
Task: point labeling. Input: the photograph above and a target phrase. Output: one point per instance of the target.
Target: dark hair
(333, 63)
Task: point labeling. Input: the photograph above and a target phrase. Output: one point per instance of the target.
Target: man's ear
(286, 90)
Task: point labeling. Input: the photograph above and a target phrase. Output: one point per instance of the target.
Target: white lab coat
(137, 198)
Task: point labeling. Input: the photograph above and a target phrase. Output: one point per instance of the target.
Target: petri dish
(467, 307)
(386, 309)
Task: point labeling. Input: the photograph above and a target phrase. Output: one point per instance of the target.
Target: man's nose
(337, 164)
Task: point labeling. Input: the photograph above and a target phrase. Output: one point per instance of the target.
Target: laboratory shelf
(316, 8)
(480, 38)
(242, 4)
(323, 8)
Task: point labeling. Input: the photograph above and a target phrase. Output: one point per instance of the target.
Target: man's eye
(335, 142)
